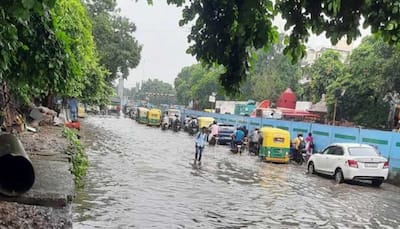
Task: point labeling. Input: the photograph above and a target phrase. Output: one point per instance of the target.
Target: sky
(165, 42)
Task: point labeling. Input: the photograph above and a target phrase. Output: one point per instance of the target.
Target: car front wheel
(339, 176)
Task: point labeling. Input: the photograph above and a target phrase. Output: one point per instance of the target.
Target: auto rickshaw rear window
(279, 140)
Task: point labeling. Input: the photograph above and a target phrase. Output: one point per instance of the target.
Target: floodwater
(143, 177)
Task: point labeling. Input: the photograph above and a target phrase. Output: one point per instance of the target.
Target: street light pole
(334, 112)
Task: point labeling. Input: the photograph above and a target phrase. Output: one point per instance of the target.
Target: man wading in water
(201, 138)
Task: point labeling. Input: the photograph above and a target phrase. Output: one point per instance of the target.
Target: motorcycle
(176, 125)
(164, 126)
(213, 140)
(193, 127)
(301, 157)
(237, 147)
(254, 148)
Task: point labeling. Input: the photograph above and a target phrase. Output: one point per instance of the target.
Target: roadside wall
(387, 142)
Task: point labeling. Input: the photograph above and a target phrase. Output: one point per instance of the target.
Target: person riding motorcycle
(254, 141)
(186, 123)
(237, 138)
(214, 129)
(299, 145)
(165, 122)
(175, 123)
(193, 125)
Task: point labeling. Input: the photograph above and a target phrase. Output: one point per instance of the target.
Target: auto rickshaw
(81, 110)
(275, 145)
(141, 115)
(154, 117)
(205, 121)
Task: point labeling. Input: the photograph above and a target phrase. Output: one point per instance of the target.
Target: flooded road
(142, 177)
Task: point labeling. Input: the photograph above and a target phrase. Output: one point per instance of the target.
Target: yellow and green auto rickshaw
(154, 117)
(141, 115)
(275, 145)
(205, 121)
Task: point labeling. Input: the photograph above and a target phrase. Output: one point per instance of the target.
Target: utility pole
(334, 112)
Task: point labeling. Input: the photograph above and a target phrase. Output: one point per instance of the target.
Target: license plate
(371, 165)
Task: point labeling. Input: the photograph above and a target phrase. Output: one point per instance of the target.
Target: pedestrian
(201, 138)
(309, 144)
(73, 108)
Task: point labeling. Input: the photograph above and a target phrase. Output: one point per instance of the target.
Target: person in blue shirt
(201, 139)
(237, 138)
(73, 108)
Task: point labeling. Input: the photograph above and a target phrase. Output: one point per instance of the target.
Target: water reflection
(144, 177)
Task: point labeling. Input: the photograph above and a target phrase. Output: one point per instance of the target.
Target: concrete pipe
(16, 171)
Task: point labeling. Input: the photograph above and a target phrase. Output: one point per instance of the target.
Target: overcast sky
(164, 41)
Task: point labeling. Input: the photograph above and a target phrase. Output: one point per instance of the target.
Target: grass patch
(80, 160)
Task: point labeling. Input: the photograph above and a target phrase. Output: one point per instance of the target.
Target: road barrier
(16, 171)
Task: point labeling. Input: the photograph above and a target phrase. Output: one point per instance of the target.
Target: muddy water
(142, 177)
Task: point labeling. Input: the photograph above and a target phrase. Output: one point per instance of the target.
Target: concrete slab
(54, 185)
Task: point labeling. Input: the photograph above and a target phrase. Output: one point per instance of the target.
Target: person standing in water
(201, 138)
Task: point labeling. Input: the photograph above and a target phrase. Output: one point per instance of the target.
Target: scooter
(164, 126)
(238, 148)
(213, 140)
(254, 148)
(176, 125)
(301, 157)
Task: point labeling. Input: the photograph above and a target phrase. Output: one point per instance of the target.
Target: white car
(350, 161)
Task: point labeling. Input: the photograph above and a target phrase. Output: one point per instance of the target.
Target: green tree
(198, 82)
(366, 84)
(226, 31)
(272, 74)
(113, 35)
(324, 72)
(157, 91)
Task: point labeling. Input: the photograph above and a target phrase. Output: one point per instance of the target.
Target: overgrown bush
(79, 158)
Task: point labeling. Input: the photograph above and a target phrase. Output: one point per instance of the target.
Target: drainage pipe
(16, 171)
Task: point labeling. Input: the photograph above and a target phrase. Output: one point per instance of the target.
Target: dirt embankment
(48, 203)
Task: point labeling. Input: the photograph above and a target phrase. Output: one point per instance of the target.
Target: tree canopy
(156, 91)
(226, 32)
(50, 47)
(113, 35)
(273, 73)
(324, 72)
(371, 74)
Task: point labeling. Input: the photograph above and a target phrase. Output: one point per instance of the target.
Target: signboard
(211, 99)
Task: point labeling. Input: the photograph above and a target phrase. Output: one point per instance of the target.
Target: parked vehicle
(205, 122)
(225, 133)
(172, 113)
(93, 110)
(81, 110)
(115, 106)
(275, 145)
(141, 115)
(154, 117)
(350, 161)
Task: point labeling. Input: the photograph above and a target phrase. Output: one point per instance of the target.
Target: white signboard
(211, 98)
